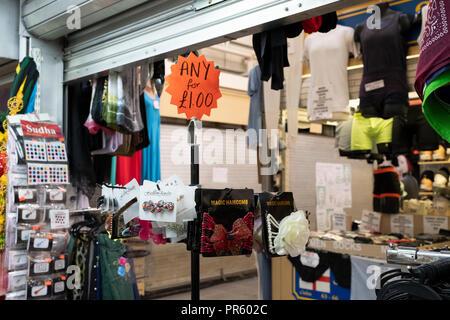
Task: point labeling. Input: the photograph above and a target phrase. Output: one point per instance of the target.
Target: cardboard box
(413, 225)
(348, 246)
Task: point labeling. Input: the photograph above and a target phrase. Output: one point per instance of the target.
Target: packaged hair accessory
(17, 280)
(39, 288)
(227, 221)
(30, 214)
(24, 195)
(39, 266)
(56, 194)
(274, 207)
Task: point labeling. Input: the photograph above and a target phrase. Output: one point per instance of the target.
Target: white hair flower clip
(292, 236)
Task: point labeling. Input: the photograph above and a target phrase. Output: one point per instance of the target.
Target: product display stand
(195, 177)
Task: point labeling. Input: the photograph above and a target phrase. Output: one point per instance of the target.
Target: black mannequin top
(385, 61)
(404, 22)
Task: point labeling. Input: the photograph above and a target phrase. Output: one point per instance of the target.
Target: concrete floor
(246, 289)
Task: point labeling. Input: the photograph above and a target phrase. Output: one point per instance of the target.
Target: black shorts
(380, 106)
(413, 132)
(386, 190)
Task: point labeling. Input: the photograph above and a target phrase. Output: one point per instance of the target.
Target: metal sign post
(195, 181)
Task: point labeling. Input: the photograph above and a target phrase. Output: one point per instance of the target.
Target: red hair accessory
(216, 238)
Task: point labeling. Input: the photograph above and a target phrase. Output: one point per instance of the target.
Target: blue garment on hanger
(113, 170)
(151, 162)
(31, 102)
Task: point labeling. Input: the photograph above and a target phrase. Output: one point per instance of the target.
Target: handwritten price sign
(194, 86)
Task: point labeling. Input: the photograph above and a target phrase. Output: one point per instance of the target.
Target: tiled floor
(246, 289)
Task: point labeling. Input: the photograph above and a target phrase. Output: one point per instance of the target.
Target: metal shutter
(159, 29)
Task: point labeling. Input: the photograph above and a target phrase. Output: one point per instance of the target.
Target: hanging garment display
(159, 73)
(115, 101)
(413, 127)
(80, 162)
(343, 140)
(24, 85)
(151, 162)
(129, 116)
(110, 143)
(328, 97)
(226, 221)
(433, 73)
(128, 168)
(365, 130)
(384, 87)
(312, 265)
(271, 51)
(99, 99)
(423, 18)
(386, 190)
(90, 123)
(256, 99)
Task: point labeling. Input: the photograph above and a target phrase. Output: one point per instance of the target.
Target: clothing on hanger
(128, 114)
(81, 167)
(256, 100)
(129, 168)
(384, 81)
(328, 96)
(151, 162)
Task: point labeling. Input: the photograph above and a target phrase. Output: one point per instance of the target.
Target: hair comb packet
(226, 217)
(274, 207)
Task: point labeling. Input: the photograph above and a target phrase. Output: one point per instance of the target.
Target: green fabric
(70, 248)
(18, 80)
(3, 116)
(114, 287)
(437, 111)
(29, 87)
(113, 170)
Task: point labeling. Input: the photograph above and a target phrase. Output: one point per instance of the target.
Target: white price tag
(432, 225)
(370, 221)
(371, 86)
(403, 224)
(322, 102)
(339, 221)
(310, 259)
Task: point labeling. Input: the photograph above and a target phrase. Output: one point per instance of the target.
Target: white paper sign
(323, 219)
(403, 224)
(322, 102)
(370, 221)
(432, 224)
(339, 221)
(220, 175)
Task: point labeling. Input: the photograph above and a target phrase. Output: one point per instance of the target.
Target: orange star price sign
(194, 86)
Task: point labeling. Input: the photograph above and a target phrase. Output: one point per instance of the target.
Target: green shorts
(436, 105)
(365, 130)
